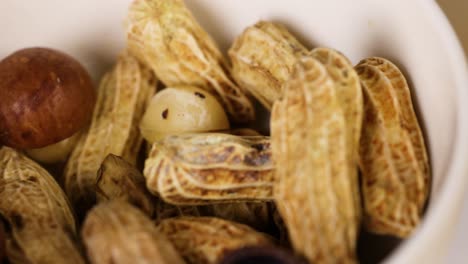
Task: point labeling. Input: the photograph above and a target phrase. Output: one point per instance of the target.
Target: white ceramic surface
(414, 34)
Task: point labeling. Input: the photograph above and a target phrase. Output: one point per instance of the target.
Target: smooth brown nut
(166, 36)
(313, 188)
(38, 214)
(116, 232)
(263, 57)
(205, 240)
(119, 180)
(393, 157)
(196, 169)
(122, 97)
(45, 97)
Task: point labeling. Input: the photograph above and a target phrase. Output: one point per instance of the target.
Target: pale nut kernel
(182, 109)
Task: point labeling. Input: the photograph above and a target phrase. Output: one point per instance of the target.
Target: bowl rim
(441, 210)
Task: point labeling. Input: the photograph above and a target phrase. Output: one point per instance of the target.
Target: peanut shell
(197, 169)
(118, 179)
(116, 232)
(263, 57)
(41, 222)
(313, 188)
(165, 36)
(122, 97)
(393, 156)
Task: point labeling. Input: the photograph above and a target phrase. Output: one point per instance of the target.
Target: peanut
(313, 188)
(118, 179)
(166, 36)
(116, 232)
(122, 97)
(40, 220)
(349, 95)
(196, 169)
(393, 158)
(262, 59)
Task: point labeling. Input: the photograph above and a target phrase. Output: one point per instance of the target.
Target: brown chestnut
(261, 255)
(45, 97)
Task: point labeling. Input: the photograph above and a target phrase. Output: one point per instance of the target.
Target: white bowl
(415, 34)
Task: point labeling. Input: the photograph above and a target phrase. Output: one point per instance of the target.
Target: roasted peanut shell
(393, 157)
(262, 59)
(349, 95)
(195, 169)
(116, 232)
(205, 240)
(122, 97)
(166, 36)
(118, 179)
(40, 220)
(313, 188)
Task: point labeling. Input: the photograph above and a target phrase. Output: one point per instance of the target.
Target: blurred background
(457, 12)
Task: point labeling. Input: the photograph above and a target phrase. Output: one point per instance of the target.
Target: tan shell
(262, 59)
(166, 36)
(116, 232)
(122, 97)
(205, 240)
(313, 188)
(193, 169)
(394, 163)
(42, 226)
(118, 179)
(349, 94)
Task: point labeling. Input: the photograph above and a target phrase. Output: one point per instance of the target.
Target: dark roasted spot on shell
(345, 73)
(259, 147)
(165, 113)
(202, 96)
(32, 179)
